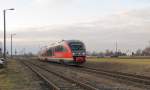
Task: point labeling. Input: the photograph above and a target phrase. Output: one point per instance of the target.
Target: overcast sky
(98, 23)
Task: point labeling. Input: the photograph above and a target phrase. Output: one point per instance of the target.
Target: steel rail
(51, 85)
(81, 84)
(125, 76)
(138, 79)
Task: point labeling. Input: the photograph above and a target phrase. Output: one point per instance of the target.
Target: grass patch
(11, 78)
(119, 60)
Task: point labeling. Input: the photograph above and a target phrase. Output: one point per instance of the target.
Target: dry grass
(9, 76)
(119, 60)
(15, 77)
(134, 66)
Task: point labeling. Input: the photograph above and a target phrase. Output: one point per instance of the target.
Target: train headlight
(73, 53)
(83, 53)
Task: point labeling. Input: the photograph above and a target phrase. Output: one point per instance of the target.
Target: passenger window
(64, 49)
(60, 49)
(49, 52)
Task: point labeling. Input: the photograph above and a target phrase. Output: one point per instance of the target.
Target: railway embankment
(133, 66)
(17, 77)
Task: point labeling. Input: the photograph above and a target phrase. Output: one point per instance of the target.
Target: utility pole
(4, 35)
(116, 48)
(0, 49)
(4, 12)
(11, 44)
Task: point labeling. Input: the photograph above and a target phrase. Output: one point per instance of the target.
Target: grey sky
(98, 23)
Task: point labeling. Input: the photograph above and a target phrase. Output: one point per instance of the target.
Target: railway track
(136, 79)
(65, 83)
(51, 85)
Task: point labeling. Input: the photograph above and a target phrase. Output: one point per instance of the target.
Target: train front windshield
(77, 47)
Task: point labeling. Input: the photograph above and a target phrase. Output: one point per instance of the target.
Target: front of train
(78, 51)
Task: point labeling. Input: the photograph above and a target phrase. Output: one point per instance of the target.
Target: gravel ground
(58, 81)
(97, 81)
(18, 77)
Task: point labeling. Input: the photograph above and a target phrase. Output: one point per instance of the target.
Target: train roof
(72, 41)
(63, 41)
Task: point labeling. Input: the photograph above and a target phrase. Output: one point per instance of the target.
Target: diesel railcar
(66, 51)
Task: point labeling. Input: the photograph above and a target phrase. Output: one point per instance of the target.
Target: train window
(49, 52)
(76, 47)
(57, 48)
(64, 49)
(60, 48)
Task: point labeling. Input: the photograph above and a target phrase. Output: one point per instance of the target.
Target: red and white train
(66, 51)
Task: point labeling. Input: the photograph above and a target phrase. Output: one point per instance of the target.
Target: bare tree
(146, 51)
(138, 52)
